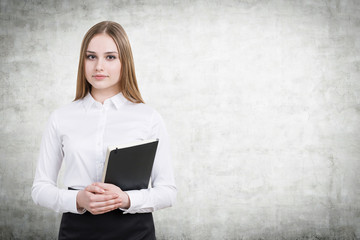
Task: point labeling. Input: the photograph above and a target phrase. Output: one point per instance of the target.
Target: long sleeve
(163, 192)
(44, 190)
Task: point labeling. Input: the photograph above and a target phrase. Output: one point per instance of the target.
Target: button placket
(100, 142)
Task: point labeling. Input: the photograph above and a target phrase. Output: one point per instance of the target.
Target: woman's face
(102, 65)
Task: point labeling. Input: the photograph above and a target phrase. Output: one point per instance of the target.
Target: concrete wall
(261, 99)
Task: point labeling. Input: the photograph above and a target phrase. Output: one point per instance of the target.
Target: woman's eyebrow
(105, 52)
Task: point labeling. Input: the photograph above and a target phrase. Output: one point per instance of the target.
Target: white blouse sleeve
(44, 190)
(162, 194)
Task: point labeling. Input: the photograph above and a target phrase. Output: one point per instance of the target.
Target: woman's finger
(110, 202)
(94, 189)
(103, 197)
(105, 186)
(103, 208)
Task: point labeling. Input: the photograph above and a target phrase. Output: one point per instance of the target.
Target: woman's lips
(99, 77)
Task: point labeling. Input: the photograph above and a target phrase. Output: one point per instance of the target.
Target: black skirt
(111, 225)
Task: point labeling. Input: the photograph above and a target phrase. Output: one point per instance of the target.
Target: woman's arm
(44, 190)
(163, 192)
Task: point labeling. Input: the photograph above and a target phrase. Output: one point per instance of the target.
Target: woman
(107, 110)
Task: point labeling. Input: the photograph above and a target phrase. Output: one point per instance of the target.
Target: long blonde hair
(128, 84)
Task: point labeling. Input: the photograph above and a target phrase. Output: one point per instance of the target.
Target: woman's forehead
(102, 43)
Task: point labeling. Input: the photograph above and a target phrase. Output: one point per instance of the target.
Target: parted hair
(128, 84)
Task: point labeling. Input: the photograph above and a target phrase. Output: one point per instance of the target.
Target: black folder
(129, 166)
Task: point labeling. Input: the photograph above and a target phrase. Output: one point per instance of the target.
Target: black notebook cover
(130, 167)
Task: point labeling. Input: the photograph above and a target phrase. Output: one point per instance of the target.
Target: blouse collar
(117, 101)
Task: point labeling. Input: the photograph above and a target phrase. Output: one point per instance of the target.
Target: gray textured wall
(261, 99)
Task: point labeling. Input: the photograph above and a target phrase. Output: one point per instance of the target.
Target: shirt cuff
(70, 197)
(81, 211)
(135, 197)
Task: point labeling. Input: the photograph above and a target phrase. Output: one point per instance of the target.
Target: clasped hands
(99, 198)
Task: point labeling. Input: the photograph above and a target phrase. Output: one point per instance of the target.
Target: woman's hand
(110, 189)
(94, 199)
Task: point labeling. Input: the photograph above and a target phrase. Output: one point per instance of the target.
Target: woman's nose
(99, 65)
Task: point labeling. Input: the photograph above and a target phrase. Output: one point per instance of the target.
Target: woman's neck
(101, 96)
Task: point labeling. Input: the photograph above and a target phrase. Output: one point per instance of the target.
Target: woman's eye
(91, 57)
(111, 57)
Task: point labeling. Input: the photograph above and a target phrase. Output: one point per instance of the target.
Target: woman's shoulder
(67, 109)
(145, 109)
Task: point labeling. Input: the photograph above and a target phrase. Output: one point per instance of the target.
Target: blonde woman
(108, 109)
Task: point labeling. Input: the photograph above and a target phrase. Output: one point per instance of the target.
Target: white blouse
(78, 135)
